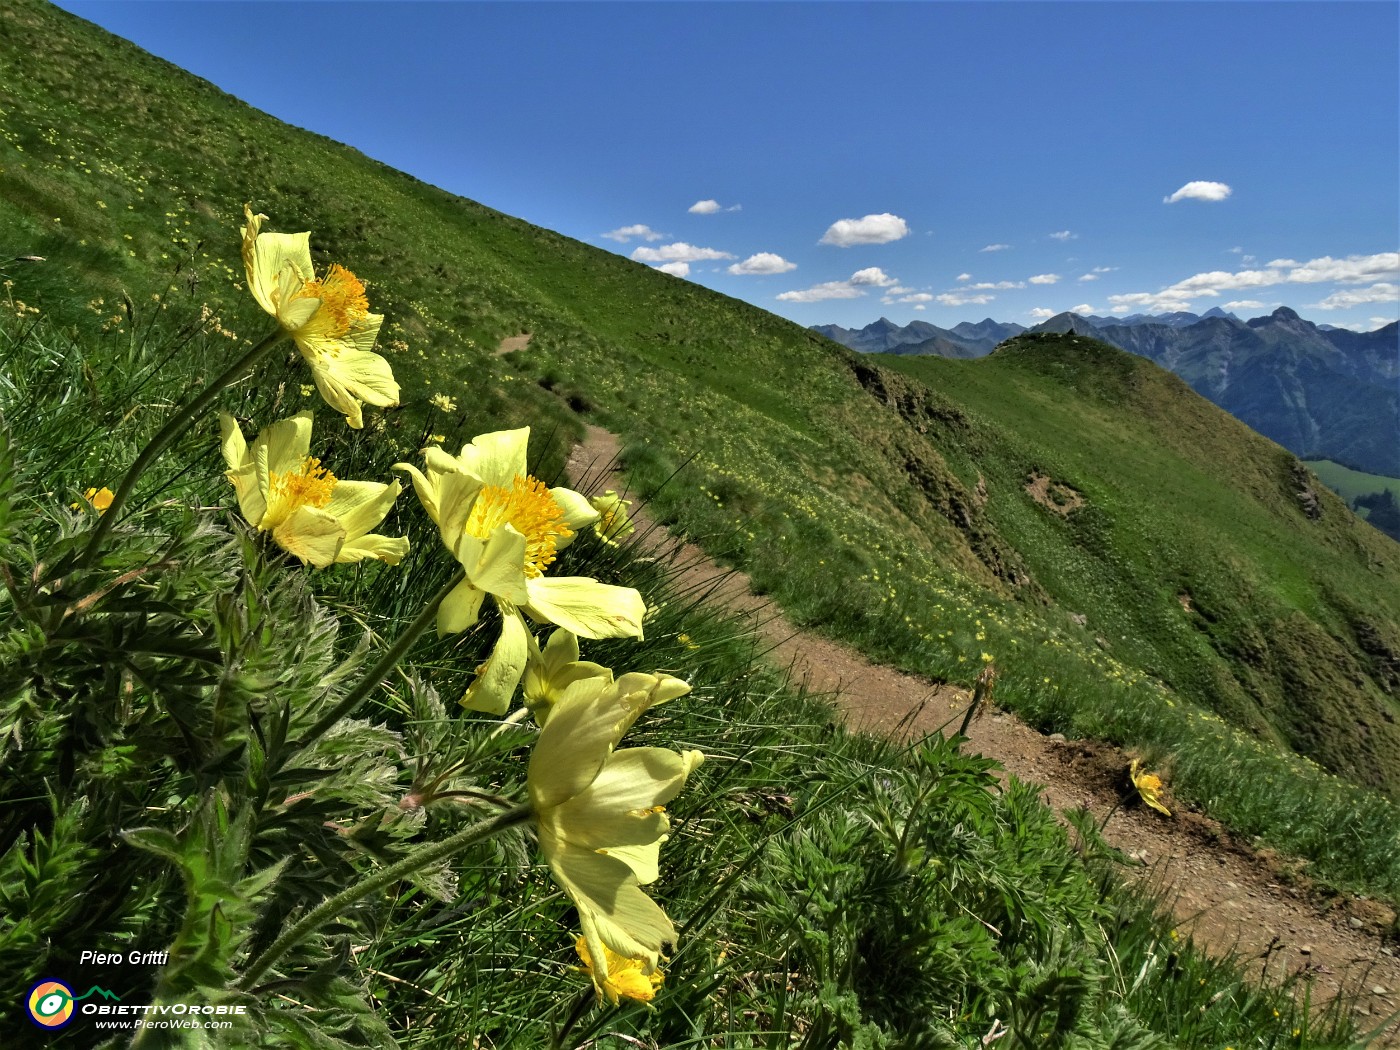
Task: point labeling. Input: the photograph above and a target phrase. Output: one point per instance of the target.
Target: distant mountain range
(1320, 392)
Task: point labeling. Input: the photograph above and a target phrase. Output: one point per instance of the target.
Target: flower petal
(498, 457)
(613, 910)
(494, 685)
(578, 513)
(459, 610)
(361, 505)
(497, 565)
(586, 607)
(312, 535)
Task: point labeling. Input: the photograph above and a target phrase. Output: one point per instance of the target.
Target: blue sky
(836, 162)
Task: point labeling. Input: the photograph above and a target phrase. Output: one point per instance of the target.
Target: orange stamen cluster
(527, 507)
(343, 300)
(310, 486)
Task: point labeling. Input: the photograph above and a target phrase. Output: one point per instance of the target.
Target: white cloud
(1377, 322)
(916, 297)
(1081, 309)
(1354, 269)
(1064, 235)
(1244, 304)
(623, 234)
(763, 262)
(1040, 313)
(961, 299)
(1104, 269)
(983, 286)
(1089, 277)
(872, 275)
(872, 229)
(1044, 278)
(675, 269)
(1200, 191)
(964, 277)
(1384, 292)
(852, 287)
(995, 248)
(709, 207)
(677, 252)
(899, 289)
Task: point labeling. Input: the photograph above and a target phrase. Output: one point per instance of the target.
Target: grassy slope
(795, 445)
(1191, 556)
(1349, 483)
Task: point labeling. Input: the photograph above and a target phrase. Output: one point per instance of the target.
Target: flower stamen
(529, 508)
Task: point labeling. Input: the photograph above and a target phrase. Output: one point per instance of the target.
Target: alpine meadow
(328, 694)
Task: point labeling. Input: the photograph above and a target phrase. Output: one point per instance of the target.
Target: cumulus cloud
(1089, 277)
(1082, 309)
(852, 287)
(1104, 269)
(1040, 313)
(994, 248)
(1044, 278)
(709, 207)
(1199, 191)
(1383, 292)
(763, 262)
(1064, 235)
(914, 297)
(872, 229)
(675, 269)
(1354, 269)
(872, 275)
(983, 286)
(623, 234)
(1245, 304)
(677, 252)
(964, 277)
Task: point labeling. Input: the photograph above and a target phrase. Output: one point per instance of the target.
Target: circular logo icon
(50, 1004)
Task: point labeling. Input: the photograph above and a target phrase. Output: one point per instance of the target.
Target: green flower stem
(173, 429)
(415, 861)
(386, 663)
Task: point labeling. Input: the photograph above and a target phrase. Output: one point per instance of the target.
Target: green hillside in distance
(879, 501)
(1197, 549)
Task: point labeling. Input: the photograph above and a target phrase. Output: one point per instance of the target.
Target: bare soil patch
(511, 343)
(1227, 896)
(1053, 495)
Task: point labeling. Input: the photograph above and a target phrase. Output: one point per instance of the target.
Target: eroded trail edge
(1226, 895)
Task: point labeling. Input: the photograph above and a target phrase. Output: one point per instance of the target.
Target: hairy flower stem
(386, 663)
(178, 424)
(415, 861)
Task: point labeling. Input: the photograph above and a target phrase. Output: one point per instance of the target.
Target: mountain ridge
(1322, 393)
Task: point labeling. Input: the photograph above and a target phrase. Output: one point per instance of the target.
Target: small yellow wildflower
(613, 522)
(1147, 785)
(624, 978)
(98, 499)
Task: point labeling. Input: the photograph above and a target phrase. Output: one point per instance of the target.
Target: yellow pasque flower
(284, 490)
(327, 317)
(98, 499)
(506, 527)
(600, 813)
(1147, 785)
(624, 978)
(613, 524)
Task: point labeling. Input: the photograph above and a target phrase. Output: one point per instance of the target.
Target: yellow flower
(506, 528)
(600, 813)
(311, 513)
(613, 524)
(327, 317)
(1147, 786)
(98, 499)
(623, 978)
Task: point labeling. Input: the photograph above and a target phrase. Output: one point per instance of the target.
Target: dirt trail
(1225, 894)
